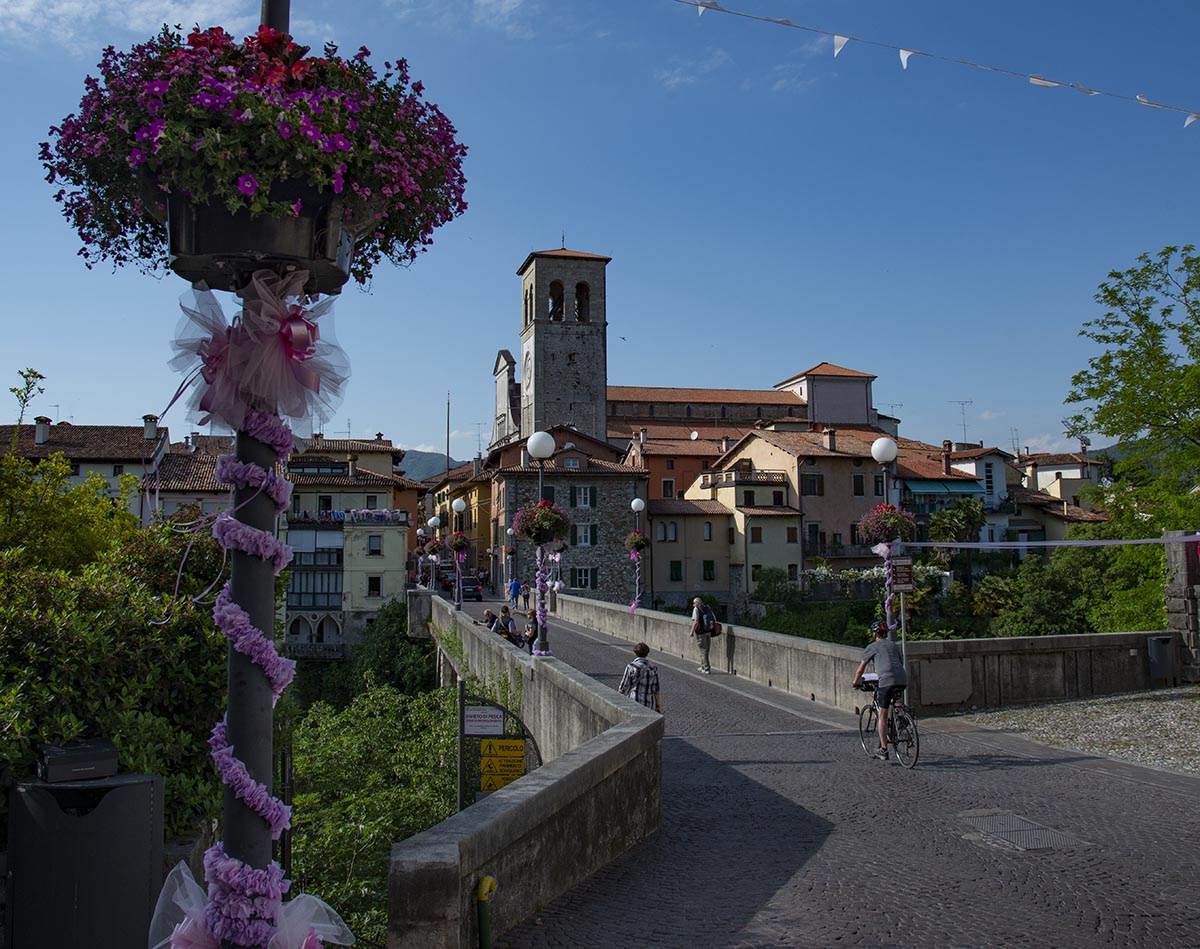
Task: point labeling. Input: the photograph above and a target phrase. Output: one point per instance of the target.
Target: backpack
(708, 620)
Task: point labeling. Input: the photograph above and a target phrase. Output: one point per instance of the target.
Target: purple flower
(159, 87)
(296, 208)
(247, 184)
(285, 129)
(340, 142)
(136, 157)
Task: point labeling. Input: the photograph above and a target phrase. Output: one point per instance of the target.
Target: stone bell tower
(564, 353)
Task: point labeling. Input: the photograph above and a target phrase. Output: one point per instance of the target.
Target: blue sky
(767, 207)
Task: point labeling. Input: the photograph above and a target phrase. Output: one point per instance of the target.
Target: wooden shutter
(594, 533)
(574, 496)
(595, 578)
(574, 535)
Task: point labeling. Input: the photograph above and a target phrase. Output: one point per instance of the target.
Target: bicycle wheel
(908, 742)
(868, 729)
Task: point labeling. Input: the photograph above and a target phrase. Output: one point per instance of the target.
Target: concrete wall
(944, 676)
(598, 793)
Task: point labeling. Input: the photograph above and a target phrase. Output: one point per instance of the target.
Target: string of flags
(1036, 79)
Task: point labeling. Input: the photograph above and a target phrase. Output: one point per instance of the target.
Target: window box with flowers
(255, 155)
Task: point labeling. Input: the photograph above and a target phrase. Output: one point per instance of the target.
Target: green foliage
(1144, 388)
(374, 773)
(98, 652)
(1050, 601)
(26, 392)
(773, 586)
(844, 622)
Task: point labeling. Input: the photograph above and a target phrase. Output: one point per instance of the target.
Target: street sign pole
(462, 692)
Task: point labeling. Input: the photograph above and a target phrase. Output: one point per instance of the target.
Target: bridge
(777, 831)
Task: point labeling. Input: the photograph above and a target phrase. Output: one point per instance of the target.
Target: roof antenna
(564, 240)
(962, 404)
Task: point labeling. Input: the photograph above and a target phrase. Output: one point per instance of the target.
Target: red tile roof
(191, 472)
(621, 429)
(362, 479)
(120, 443)
(561, 252)
(683, 506)
(719, 396)
(356, 446)
(826, 369)
(775, 510)
(594, 466)
(1056, 508)
(677, 447)
(967, 454)
(209, 444)
(1060, 459)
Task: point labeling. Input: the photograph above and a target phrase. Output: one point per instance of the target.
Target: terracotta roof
(1056, 508)
(620, 428)
(920, 467)
(561, 252)
(674, 447)
(195, 471)
(362, 479)
(684, 506)
(1063, 458)
(719, 396)
(357, 446)
(826, 369)
(463, 472)
(773, 510)
(208, 444)
(121, 443)
(810, 444)
(969, 453)
(595, 466)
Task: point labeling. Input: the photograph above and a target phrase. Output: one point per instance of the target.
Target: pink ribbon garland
(637, 581)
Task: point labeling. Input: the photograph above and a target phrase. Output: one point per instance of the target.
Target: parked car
(471, 590)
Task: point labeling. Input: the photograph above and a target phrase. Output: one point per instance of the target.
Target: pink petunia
(247, 184)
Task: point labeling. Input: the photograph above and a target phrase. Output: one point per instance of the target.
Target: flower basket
(432, 547)
(637, 541)
(884, 523)
(542, 522)
(258, 155)
(458, 541)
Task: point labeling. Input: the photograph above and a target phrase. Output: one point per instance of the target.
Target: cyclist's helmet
(878, 628)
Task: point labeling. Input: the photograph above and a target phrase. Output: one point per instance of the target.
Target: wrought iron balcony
(733, 476)
(314, 650)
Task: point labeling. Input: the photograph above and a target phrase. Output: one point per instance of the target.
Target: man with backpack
(704, 621)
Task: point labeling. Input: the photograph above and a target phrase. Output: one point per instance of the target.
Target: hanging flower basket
(257, 155)
(458, 541)
(542, 522)
(432, 547)
(884, 523)
(637, 541)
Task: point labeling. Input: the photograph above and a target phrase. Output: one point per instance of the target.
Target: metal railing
(712, 479)
(374, 517)
(314, 650)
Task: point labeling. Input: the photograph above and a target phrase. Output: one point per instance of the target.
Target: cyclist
(892, 676)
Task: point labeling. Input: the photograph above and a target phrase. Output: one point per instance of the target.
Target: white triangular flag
(838, 43)
(1038, 80)
(904, 54)
(1190, 119)
(1085, 90)
(703, 5)
(1144, 101)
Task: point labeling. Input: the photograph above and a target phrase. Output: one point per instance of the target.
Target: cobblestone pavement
(778, 831)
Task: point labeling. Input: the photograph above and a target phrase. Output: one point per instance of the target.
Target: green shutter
(595, 533)
(595, 578)
(574, 496)
(574, 534)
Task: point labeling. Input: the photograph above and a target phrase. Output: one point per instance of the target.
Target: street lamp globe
(884, 450)
(459, 505)
(637, 505)
(434, 522)
(540, 445)
(510, 532)
(420, 531)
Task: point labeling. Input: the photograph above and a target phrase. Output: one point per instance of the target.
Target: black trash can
(84, 862)
(1161, 652)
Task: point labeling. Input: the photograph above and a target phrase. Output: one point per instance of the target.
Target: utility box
(1162, 654)
(84, 862)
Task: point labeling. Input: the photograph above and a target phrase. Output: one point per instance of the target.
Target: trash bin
(84, 862)
(1161, 651)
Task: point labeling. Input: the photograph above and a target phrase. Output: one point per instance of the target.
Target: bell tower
(564, 351)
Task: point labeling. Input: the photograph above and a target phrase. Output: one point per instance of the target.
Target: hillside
(419, 465)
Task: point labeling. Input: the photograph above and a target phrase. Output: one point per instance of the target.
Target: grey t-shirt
(887, 662)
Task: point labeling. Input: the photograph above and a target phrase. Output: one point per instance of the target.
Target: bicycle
(902, 726)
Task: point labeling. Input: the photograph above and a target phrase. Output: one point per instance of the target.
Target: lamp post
(637, 505)
(459, 505)
(420, 554)
(433, 524)
(509, 559)
(884, 451)
(540, 447)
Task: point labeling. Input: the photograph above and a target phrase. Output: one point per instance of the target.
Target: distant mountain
(419, 465)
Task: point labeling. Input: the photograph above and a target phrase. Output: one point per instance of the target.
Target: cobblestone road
(778, 831)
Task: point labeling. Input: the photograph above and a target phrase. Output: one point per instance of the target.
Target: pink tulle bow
(633, 555)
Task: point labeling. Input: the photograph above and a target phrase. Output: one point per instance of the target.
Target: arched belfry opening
(583, 302)
(555, 301)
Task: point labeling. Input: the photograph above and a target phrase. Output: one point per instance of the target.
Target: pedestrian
(506, 626)
(514, 590)
(640, 681)
(702, 626)
(524, 595)
(489, 620)
(531, 630)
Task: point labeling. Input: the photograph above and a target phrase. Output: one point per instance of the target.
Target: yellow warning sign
(502, 747)
(515, 766)
(494, 782)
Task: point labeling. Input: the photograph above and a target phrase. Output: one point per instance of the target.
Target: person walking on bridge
(702, 630)
(640, 681)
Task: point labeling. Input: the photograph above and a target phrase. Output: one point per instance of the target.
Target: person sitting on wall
(489, 620)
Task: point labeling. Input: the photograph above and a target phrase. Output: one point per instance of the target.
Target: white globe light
(511, 532)
(420, 531)
(459, 505)
(541, 445)
(435, 522)
(884, 450)
(637, 505)
(695, 435)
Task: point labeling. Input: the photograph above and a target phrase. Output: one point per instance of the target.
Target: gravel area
(1160, 729)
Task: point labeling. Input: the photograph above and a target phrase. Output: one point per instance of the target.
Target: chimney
(150, 427)
(41, 430)
(642, 437)
(379, 436)
(476, 465)
(724, 443)
(829, 439)
(947, 445)
(352, 465)
(194, 441)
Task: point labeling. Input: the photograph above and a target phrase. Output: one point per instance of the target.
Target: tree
(25, 393)
(960, 521)
(1144, 388)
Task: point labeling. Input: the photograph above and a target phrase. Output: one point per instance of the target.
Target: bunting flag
(1036, 79)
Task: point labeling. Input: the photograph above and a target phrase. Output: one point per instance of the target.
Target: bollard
(483, 895)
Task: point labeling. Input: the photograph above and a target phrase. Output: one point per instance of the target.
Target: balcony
(734, 476)
(381, 517)
(314, 650)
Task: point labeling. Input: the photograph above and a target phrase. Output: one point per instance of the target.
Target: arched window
(708, 530)
(672, 531)
(555, 301)
(583, 302)
(661, 531)
(299, 628)
(328, 631)
(528, 305)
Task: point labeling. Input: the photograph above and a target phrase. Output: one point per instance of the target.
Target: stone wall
(598, 793)
(944, 676)
(1183, 593)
